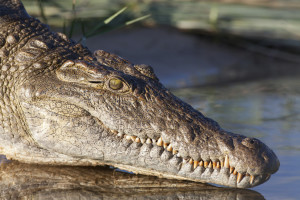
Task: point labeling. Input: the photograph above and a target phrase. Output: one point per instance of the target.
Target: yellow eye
(115, 84)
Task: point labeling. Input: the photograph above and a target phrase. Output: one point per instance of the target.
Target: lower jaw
(220, 177)
(154, 160)
(150, 166)
(157, 161)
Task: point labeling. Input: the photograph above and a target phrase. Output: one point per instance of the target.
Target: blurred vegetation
(81, 17)
(261, 19)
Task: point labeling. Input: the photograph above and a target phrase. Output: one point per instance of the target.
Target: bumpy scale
(61, 104)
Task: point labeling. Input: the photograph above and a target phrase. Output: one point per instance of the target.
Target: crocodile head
(63, 105)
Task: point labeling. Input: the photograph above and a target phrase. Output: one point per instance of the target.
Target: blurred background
(236, 61)
(193, 42)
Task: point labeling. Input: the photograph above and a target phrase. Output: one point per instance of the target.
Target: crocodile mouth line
(212, 165)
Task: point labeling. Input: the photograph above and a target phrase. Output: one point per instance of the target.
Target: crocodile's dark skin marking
(61, 104)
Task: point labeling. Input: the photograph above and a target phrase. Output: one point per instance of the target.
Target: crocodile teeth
(148, 141)
(169, 148)
(165, 145)
(209, 165)
(239, 177)
(251, 179)
(196, 163)
(128, 137)
(214, 164)
(133, 138)
(137, 140)
(218, 165)
(234, 172)
(159, 142)
(226, 162)
(201, 163)
(205, 164)
(120, 134)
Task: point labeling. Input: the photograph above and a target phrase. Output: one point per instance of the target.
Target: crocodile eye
(115, 84)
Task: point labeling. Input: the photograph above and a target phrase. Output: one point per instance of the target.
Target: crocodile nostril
(266, 158)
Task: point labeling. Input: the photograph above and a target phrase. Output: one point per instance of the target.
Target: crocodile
(60, 104)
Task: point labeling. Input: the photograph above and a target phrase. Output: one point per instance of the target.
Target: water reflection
(24, 181)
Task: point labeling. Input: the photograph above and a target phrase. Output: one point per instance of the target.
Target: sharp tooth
(128, 137)
(239, 177)
(226, 162)
(205, 164)
(174, 151)
(133, 138)
(165, 145)
(234, 172)
(218, 165)
(159, 142)
(214, 164)
(231, 169)
(196, 163)
(120, 134)
(191, 161)
(148, 141)
(143, 141)
(251, 179)
(201, 163)
(268, 176)
(169, 148)
(137, 140)
(210, 165)
(222, 163)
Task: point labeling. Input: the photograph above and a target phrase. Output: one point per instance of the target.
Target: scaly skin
(61, 104)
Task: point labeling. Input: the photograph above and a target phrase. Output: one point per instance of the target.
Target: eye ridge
(116, 83)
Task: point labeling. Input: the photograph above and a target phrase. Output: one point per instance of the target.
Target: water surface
(266, 109)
